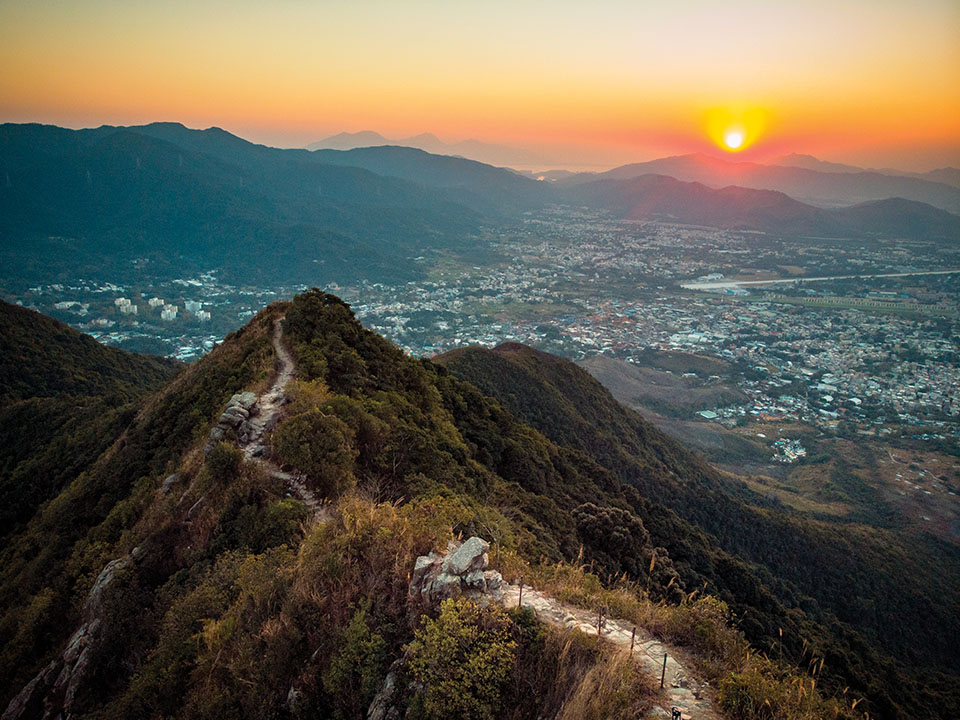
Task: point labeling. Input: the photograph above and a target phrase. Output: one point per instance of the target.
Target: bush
(357, 669)
(322, 447)
(223, 462)
(462, 658)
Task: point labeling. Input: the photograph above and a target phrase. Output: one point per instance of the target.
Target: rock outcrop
(239, 421)
(51, 694)
(460, 571)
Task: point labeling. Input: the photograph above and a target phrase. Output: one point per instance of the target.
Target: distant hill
(43, 357)
(64, 398)
(946, 175)
(809, 162)
(492, 190)
(209, 199)
(88, 201)
(657, 197)
(489, 153)
(826, 189)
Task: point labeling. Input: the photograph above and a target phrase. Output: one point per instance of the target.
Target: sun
(733, 139)
(736, 128)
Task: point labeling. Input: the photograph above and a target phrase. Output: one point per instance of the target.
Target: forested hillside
(200, 585)
(869, 599)
(64, 398)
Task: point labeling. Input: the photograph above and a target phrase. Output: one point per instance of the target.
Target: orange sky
(875, 82)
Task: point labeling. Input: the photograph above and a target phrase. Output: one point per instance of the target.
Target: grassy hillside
(229, 602)
(867, 597)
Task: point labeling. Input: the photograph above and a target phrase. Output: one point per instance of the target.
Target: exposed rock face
(169, 482)
(461, 571)
(238, 417)
(52, 692)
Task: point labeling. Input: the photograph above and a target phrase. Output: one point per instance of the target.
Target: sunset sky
(873, 82)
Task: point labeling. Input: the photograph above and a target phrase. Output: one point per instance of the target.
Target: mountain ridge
(820, 188)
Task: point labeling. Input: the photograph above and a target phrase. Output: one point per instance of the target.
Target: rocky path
(252, 417)
(270, 403)
(680, 689)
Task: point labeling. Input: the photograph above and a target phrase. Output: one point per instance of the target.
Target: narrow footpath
(269, 407)
(680, 688)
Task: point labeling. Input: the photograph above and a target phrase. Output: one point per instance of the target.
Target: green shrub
(322, 447)
(357, 669)
(462, 658)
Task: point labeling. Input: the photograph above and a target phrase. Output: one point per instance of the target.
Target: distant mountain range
(830, 188)
(946, 175)
(73, 201)
(471, 149)
(657, 197)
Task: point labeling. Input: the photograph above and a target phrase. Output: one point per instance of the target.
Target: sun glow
(735, 129)
(733, 139)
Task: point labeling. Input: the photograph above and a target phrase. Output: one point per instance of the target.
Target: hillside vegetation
(64, 399)
(230, 600)
(868, 599)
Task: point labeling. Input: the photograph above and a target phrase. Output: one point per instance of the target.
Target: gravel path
(680, 689)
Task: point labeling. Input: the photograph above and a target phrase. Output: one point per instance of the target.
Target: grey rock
(472, 555)
(245, 400)
(231, 419)
(383, 706)
(475, 580)
(217, 433)
(168, 483)
(494, 580)
(443, 587)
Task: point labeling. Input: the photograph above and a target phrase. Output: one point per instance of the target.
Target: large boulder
(472, 555)
(460, 571)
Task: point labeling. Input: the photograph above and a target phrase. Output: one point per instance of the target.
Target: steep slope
(176, 578)
(52, 562)
(828, 584)
(64, 398)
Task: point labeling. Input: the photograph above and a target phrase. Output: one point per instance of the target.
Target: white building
(128, 309)
(155, 302)
(169, 312)
(193, 306)
(203, 315)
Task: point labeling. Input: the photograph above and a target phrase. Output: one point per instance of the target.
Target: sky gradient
(873, 82)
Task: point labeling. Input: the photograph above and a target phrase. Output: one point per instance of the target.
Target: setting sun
(733, 139)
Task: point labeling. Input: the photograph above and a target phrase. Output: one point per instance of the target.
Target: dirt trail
(680, 689)
(270, 405)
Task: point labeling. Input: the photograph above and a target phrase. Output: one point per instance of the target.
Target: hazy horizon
(853, 82)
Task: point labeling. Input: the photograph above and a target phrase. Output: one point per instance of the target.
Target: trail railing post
(663, 673)
(599, 622)
(633, 636)
(520, 601)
